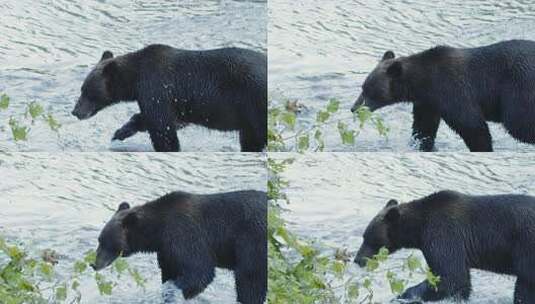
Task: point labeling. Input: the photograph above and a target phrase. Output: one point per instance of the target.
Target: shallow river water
(61, 202)
(324, 49)
(48, 47)
(334, 196)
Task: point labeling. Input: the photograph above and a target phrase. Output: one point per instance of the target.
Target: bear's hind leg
(523, 265)
(253, 123)
(250, 141)
(518, 120)
(472, 128)
(249, 287)
(524, 292)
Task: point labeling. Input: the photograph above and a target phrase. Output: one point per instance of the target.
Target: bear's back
(498, 210)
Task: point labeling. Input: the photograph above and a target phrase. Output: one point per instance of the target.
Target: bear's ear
(395, 69)
(130, 220)
(388, 55)
(391, 203)
(392, 215)
(106, 55)
(123, 206)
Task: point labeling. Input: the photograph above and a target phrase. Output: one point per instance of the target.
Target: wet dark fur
(222, 89)
(193, 234)
(466, 87)
(457, 232)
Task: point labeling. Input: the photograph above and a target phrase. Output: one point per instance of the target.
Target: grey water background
(333, 196)
(47, 47)
(61, 202)
(324, 49)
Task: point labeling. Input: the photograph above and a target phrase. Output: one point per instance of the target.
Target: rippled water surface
(324, 49)
(48, 47)
(334, 196)
(61, 201)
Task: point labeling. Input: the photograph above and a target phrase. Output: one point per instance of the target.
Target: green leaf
(90, 257)
(322, 116)
(397, 286)
(353, 291)
(104, 287)
(35, 110)
(380, 126)
(363, 114)
(61, 292)
(413, 263)
(289, 118)
(14, 253)
(19, 132)
(338, 268)
(46, 270)
(4, 102)
(80, 267)
(333, 106)
(382, 255)
(303, 143)
(348, 137)
(432, 278)
(120, 265)
(319, 139)
(75, 284)
(367, 283)
(52, 122)
(371, 265)
(137, 277)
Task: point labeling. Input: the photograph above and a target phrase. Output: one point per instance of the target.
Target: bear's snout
(361, 261)
(84, 109)
(359, 102)
(75, 113)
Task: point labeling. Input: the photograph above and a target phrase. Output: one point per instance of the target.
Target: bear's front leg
(524, 292)
(160, 121)
(194, 280)
(426, 120)
(421, 292)
(193, 267)
(446, 256)
(129, 129)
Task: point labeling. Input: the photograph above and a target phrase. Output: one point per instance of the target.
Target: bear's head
(378, 234)
(113, 239)
(101, 88)
(385, 85)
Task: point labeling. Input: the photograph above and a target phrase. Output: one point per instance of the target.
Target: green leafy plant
(20, 127)
(300, 272)
(284, 134)
(26, 279)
